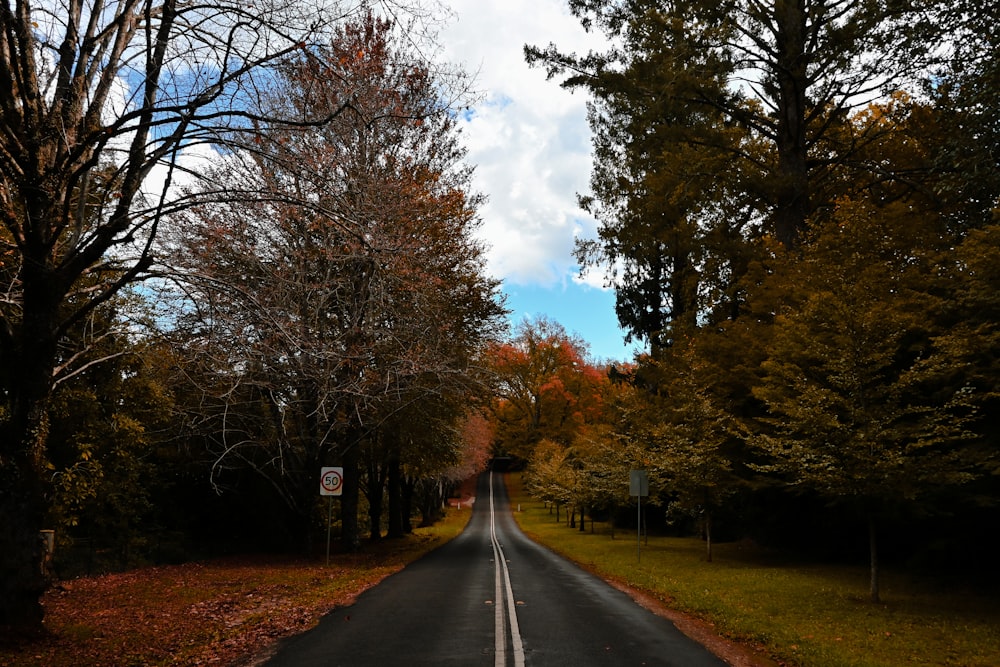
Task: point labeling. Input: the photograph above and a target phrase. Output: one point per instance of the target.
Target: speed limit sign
(331, 481)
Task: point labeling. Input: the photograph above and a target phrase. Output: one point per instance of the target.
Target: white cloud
(192, 160)
(529, 137)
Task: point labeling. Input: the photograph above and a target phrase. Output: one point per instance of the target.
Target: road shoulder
(701, 631)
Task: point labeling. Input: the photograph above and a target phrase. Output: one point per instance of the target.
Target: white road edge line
(515, 633)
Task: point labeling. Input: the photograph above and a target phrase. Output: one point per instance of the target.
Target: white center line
(501, 584)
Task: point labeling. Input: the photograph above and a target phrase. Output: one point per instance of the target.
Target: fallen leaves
(214, 613)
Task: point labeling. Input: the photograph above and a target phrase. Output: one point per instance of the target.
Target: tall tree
(660, 188)
(783, 71)
(358, 287)
(94, 97)
(964, 93)
(715, 122)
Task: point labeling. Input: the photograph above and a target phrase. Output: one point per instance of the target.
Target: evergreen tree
(717, 122)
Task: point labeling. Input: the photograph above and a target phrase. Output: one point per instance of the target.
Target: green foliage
(107, 455)
(714, 124)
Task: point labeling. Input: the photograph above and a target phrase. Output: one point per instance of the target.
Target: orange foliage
(548, 388)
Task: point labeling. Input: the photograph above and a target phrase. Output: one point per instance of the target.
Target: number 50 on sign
(331, 481)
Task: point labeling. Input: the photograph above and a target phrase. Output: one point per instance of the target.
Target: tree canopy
(105, 107)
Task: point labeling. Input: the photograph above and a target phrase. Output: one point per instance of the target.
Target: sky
(530, 143)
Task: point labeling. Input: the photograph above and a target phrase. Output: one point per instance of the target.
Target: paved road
(491, 597)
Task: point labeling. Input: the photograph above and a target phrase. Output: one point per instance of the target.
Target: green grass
(804, 614)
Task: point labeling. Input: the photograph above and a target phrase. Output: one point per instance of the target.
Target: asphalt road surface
(494, 598)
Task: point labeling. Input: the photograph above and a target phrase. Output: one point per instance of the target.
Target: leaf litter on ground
(221, 612)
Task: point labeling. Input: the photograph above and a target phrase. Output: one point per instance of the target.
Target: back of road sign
(638, 483)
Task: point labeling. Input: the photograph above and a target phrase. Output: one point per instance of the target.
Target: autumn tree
(432, 467)
(471, 452)
(688, 435)
(856, 380)
(545, 388)
(548, 477)
(354, 291)
(419, 453)
(968, 340)
(602, 458)
(549, 412)
(590, 473)
(743, 152)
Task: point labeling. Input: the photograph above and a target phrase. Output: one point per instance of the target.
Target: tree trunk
(22, 581)
(792, 196)
(375, 492)
(873, 550)
(27, 384)
(708, 535)
(394, 489)
(583, 520)
(350, 536)
(406, 505)
(572, 516)
(375, 501)
(429, 501)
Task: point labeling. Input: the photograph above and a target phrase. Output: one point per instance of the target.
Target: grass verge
(803, 614)
(221, 612)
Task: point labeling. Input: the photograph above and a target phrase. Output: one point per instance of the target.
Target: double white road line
(504, 597)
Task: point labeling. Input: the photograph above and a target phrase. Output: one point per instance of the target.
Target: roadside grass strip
(801, 613)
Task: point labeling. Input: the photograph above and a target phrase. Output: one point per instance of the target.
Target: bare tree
(353, 292)
(95, 99)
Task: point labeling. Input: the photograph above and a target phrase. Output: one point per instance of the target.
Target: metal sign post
(331, 483)
(638, 486)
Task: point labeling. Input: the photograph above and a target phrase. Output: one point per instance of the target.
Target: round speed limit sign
(331, 481)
